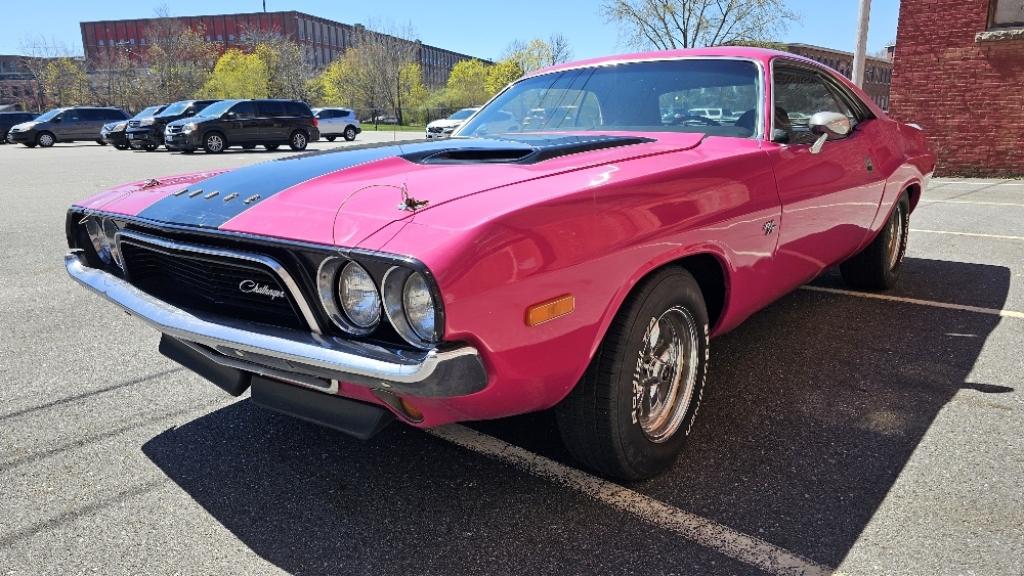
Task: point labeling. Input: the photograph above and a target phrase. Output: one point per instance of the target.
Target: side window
(266, 108)
(345, 114)
(297, 109)
(800, 94)
(244, 110)
(325, 114)
(73, 115)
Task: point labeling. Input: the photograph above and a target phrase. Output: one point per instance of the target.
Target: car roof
(763, 55)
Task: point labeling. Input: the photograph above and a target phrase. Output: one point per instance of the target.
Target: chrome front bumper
(442, 372)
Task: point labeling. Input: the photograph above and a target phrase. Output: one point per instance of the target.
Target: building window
(1007, 13)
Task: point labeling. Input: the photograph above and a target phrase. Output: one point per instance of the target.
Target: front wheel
(214, 143)
(101, 142)
(45, 139)
(877, 267)
(298, 141)
(350, 133)
(629, 415)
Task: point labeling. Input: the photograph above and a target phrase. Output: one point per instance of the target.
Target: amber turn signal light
(550, 309)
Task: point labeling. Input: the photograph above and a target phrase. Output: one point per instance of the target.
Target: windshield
(146, 113)
(216, 109)
(462, 114)
(175, 109)
(49, 115)
(662, 96)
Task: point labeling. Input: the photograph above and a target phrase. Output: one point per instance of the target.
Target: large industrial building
(877, 71)
(322, 40)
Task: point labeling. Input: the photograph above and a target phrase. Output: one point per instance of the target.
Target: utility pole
(859, 55)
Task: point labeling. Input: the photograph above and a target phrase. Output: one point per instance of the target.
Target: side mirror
(828, 125)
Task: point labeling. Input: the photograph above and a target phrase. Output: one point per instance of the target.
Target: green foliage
(238, 75)
(66, 82)
(467, 84)
(502, 74)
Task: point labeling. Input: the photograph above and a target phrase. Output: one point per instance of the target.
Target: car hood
(342, 196)
(24, 126)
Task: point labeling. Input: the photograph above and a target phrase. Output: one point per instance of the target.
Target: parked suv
(9, 119)
(142, 121)
(148, 133)
(334, 122)
(114, 133)
(245, 123)
(65, 125)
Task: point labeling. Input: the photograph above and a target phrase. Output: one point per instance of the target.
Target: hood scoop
(524, 150)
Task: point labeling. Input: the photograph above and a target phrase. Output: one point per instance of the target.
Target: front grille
(201, 283)
(133, 123)
(435, 129)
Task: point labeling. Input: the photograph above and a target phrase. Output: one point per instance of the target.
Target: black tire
(46, 139)
(877, 267)
(330, 138)
(214, 142)
(187, 150)
(350, 133)
(101, 142)
(248, 146)
(29, 144)
(601, 420)
(271, 147)
(298, 140)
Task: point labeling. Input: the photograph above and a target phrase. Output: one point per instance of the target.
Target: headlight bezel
(393, 288)
(102, 232)
(328, 282)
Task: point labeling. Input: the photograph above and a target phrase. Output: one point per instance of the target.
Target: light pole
(859, 55)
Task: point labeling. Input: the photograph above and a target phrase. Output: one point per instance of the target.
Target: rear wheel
(330, 138)
(350, 133)
(214, 143)
(877, 266)
(271, 147)
(298, 140)
(45, 139)
(629, 415)
(29, 144)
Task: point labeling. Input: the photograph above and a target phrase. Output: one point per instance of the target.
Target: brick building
(322, 40)
(960, 74)
(877, 71)
(18, 89)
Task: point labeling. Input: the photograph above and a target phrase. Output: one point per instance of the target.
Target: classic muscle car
(582, 263)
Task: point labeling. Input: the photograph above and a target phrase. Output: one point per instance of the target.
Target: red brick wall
(968, 95)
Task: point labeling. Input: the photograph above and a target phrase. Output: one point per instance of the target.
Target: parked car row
(189, 125)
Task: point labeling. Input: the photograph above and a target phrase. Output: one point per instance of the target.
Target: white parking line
(998, 236)
(707, 533)
(1014, 204)
(871, 295)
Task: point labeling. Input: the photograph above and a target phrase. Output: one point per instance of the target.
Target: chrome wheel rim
(215, 143)
(350, 134)
(666, 374)
(299, 141)
(895, 237)
(46, 140)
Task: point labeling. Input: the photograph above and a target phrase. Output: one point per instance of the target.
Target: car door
(829, 197)
(70, 125)
(244, 126)
(273, 125)
(327, 121)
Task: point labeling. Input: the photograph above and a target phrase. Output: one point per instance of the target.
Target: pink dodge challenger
(574, 246)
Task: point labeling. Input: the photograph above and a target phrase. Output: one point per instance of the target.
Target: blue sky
(457, 25)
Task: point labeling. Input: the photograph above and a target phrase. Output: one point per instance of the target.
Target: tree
(238, 75)
(66, 82)
(668, 24)
(382, 55)
(502, 74)
(178, 59)
(412, 93)
(467, 84)
(560, 49)
(288, 71)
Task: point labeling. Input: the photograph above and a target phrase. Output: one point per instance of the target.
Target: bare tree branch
(664, 24)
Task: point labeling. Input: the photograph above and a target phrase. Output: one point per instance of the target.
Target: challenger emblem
(769, 227)
(254, 287)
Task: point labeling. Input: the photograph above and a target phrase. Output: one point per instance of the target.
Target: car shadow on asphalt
(812, 409)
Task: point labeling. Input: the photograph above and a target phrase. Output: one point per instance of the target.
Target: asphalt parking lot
(838, 432)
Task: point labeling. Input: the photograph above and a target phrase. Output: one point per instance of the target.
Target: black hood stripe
(212, 202)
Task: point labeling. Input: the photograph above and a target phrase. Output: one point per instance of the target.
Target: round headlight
(110, 230)
(100, 244)
(419, 306)
(358, 296)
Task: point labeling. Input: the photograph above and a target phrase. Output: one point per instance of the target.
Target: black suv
(148, 133)
(9, 119)
(245, 123)
(65, 125)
